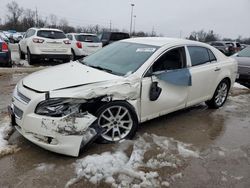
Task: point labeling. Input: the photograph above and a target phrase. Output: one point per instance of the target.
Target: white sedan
(108, 94)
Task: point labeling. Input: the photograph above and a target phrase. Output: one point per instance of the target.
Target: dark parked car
(243, 58)
(5, 57)
(109, 37)
(226, 48)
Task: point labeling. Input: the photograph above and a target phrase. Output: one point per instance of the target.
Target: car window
(244, 53)
(172, 59)
(118, 36)
(87, 38)
(238, 45)
(105, 36)
(70, 37)
(51, 34)
(211, 55)
(30, 33)
(198, 55)
(121, 58)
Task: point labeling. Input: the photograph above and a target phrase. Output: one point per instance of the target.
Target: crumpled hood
(64, 76)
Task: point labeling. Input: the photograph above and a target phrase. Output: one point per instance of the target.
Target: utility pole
(36, 18)
(110, 26)
(180, 33)
(131, 20)
(134, 23)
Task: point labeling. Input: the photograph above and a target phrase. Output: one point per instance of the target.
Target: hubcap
(221, 94)
(117, 122)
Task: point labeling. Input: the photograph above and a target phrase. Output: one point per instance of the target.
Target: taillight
(35, 40)
(79, 44)
(66, 42)
(5, 47)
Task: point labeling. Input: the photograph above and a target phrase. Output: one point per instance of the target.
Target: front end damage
(66, 125)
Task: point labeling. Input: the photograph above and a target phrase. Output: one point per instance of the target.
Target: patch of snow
(185, 152)
(176, 176)
(139, 167)
(239, 86)
(224, 179)
(237, 177)
(221, 153)
(5, 131)
(45, 167)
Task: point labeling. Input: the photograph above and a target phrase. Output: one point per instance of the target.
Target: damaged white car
(106, 95)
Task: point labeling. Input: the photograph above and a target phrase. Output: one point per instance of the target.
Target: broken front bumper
(64, 135)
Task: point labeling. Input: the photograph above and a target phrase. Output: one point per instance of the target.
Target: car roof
(92, 34)
(47, 29)
(162, 41)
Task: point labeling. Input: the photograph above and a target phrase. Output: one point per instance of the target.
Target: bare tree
(15, 13)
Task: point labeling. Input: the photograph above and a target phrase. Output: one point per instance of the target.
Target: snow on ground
(239, 86)
(45, 167)
(5, 131)
(135, 163)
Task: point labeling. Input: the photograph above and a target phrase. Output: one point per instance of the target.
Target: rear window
(198, 55)
(118, 36)
(51, 34)
(87, 38)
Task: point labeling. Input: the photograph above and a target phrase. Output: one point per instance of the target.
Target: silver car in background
(243, 58)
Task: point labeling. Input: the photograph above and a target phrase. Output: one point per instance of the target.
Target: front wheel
(21, 54)
(220, 95)
(118, 121)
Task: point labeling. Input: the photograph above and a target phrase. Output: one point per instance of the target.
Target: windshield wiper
(101, 68)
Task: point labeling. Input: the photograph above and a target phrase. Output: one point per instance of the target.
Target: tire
(73, 55)
(30, 58)
(66, 60)
(220, 95)
(119, 121)
(21, 54)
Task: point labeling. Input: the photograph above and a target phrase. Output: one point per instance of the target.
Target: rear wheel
(21, 54)
(73, 55)
(118, 121)
(220, 95)
(30, 57)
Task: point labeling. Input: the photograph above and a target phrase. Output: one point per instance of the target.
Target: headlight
(58, 107)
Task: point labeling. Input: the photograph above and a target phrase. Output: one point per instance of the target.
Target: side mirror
(154, 91)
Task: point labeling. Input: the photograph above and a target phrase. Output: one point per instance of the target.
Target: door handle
(217, 69)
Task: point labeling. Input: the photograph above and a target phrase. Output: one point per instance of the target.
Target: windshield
(51, 34)
(87, 38)
(245, 52)
(120, 58)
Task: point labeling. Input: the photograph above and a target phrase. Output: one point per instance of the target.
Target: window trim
(146, 74)
(205, 63)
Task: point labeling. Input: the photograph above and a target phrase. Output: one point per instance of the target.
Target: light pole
(134, 23)
(131, 20)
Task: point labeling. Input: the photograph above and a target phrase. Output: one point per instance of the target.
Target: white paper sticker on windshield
(145, 49)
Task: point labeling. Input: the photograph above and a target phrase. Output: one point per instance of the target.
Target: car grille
(23, 97)
(18, 112)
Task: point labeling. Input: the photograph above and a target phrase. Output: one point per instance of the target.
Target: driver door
(170, 75)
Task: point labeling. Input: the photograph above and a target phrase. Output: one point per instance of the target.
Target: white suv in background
(83, 44)
(44, 43)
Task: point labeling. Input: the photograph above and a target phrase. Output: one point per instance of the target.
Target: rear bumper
(5, 58)
(51, 56)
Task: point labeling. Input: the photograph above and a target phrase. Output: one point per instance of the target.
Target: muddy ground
(219, 140)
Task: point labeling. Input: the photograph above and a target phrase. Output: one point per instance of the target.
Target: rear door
(204, 71)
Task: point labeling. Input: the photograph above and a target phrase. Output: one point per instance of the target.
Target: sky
(171, 18)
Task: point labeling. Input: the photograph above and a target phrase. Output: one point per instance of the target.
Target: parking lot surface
(195, 147)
